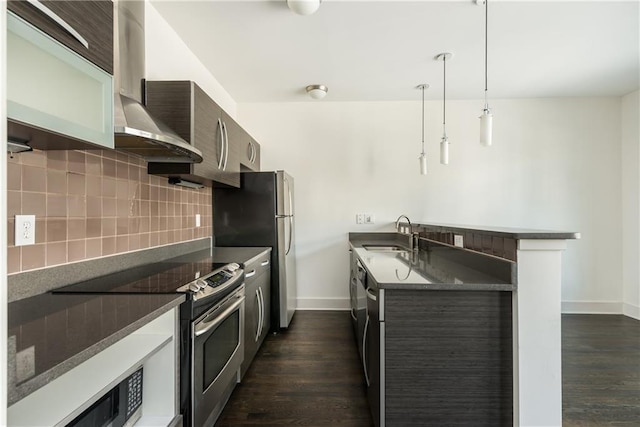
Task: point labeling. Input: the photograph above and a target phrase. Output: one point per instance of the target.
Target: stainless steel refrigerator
(260, 213)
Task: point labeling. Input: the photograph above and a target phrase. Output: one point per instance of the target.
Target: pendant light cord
(444, 96)
(423, 119)
(486, 51)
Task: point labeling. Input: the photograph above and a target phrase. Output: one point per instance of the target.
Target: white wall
(631, 204)
(554, 165)
(169, 58)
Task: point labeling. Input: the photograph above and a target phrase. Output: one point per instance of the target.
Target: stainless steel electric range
(211, 324)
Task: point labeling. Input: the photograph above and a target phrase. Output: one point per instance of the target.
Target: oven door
(218, 351)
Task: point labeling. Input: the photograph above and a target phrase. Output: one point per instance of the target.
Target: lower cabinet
(433, 357)
(257, 307)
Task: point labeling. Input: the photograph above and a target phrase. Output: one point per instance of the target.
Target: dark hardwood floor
(311, 375)
(600, 370)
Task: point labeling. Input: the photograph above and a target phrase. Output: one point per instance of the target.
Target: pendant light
(423, 155)
(486, 119)
(444, 142)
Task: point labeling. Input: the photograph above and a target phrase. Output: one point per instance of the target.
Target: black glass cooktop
(157, 278)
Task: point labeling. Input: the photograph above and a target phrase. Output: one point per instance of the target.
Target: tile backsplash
(95, 203)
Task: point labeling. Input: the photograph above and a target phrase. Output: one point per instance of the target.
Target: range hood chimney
(137, 132)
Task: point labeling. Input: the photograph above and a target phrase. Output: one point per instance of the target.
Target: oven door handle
(203, 326)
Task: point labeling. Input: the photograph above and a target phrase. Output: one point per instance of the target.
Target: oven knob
(233, 267)
(194, 287)
(201, 283)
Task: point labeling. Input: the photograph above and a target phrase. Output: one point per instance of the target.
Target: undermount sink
(384, 248)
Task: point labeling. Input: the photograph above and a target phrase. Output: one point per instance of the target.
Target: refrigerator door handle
(290, 234)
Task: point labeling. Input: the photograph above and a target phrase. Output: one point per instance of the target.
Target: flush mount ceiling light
(423, 155)
(486, 119)
(317, 91)
(444, 142)
(304, 7)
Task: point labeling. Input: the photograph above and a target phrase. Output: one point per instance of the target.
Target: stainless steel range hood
(137, 132)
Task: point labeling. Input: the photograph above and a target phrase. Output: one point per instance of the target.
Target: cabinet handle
(258, 326)
(250, 274)
(252, 152)
(353, 315)
(370, 295)
(221, 159)
(263, 312)
(226, 143)
(364, 351)
(264, 263)
(58, 20)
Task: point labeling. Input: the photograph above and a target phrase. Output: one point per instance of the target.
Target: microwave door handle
(58, 20)
(204, 327)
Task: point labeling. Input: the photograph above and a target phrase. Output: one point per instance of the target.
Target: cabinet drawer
(257, 268)
(91, 21)
(52, 90)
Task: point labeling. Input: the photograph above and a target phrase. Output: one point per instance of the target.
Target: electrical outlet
(369, 219)
(25, 230)
(458, 240)
(197, 220)
(359, 218)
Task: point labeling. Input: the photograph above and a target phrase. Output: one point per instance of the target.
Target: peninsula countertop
(432, 267)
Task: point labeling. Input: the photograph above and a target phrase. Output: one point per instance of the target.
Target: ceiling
(260, 51)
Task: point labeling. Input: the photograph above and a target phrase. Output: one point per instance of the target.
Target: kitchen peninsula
(444, 329)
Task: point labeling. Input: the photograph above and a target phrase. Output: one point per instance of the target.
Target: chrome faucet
(413, 241)
(398, 223)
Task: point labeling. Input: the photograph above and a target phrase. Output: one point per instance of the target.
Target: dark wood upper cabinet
(192, 114)
(91, 21)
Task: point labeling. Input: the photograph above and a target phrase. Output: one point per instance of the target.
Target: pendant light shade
(423, 156)
(423, 163)
(304, 7)
(486, 119)
(486, 127)
(444, 150)
(444, 142)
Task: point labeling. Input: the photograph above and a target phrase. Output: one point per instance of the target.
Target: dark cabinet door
(193, 115)
(353, 292)
(257, 307)
(265, 295)
(373, 352)
(86, 27)
(234, 134)
(249, 154)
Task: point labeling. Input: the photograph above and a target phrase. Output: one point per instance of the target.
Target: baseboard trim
(592, 307)
(323, 304)
(631, 311)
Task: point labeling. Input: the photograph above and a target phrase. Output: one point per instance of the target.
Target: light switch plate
(197, 220)
(25, 230)
(458, 240)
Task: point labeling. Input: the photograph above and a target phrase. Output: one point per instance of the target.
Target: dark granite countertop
(514, 233)
(57, 332)
(433, 267)
(241, 255)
